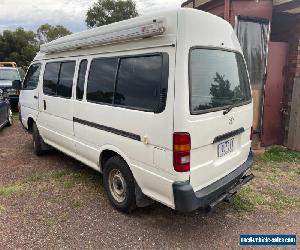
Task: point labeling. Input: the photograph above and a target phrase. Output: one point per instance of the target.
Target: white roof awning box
(104, 36)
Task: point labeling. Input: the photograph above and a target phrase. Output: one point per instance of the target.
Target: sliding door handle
(45, 105)
(35, 97)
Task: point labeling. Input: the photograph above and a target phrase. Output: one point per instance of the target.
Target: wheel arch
(109, 151)
(106, 153)
(30, 121)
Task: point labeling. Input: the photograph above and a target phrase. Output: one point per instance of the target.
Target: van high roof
(154, 30)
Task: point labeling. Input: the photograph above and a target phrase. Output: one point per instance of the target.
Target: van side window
(58, 78)
(100, 86)
(139, 82)
(51, 78)
(80, 79)
(32, 77)
(65, 81)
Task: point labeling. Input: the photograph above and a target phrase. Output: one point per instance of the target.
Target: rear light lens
(181, 152)
(251, 133)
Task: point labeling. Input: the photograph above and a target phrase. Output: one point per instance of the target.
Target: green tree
(46, 32)
(19, 46)
(220, 91)
(109, 11)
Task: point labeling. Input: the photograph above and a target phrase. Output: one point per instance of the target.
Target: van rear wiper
(228, 109)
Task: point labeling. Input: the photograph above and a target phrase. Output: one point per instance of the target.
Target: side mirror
(16, 84)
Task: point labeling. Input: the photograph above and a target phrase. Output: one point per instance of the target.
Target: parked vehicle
(6, 118)
(7, 76)
(161, 106)
(8, 64)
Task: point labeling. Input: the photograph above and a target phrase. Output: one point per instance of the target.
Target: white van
(161, 105)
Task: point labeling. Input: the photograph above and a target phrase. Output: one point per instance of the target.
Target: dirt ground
(55, 202)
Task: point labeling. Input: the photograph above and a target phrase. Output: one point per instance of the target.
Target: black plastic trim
(228, 135)
(108, 129)
(186, 200)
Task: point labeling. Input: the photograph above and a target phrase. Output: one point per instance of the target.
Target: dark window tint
(218, 79)
(100, 86)
(32, 77)
(51, 78)
(80, 80)
(139, 82)
(65, 83)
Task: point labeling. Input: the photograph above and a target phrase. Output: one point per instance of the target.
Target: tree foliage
(18, 46)
(109, 11)
(46, 32)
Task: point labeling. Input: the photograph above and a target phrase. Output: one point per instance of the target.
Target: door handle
(35, 97)
(45, 105)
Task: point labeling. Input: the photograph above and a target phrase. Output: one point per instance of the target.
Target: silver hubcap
(117, 185)
(10, 119)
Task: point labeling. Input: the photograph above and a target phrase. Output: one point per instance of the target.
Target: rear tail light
(251, 133)
(181, 152)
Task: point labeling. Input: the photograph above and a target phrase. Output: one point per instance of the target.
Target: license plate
(225, 147)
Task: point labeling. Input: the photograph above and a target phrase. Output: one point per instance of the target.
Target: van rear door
(220, 116)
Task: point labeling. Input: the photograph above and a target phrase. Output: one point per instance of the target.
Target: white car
(160, 104)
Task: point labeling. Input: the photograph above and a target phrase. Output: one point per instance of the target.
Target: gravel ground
(54, 202)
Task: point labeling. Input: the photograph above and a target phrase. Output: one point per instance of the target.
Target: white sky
(30, 14)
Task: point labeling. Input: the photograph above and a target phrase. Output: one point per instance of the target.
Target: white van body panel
(72, 126)
(55, 119)
(90, 139)
(29, 100)
(206, 167)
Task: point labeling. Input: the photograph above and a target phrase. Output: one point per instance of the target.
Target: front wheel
(119, 184)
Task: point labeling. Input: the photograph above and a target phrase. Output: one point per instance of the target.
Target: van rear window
(218, 79)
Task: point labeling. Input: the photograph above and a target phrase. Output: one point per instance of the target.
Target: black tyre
(119, 184)
(9, 117)
(37, 141)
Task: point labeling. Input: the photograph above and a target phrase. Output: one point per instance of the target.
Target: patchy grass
(16, 115)
(76, 203)
(50, 188)
(280, 200)
(246, 199)
(249, 199)
(33, 178)
(69, 179)
(2, 209)
(279, 154)
(277, 183)
(57, 180)
(11, 189)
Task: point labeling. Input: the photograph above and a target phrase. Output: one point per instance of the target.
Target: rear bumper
(186, 199)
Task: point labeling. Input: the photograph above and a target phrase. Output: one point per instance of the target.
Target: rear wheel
(9, 117)
(119, 184)
(37, 141)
